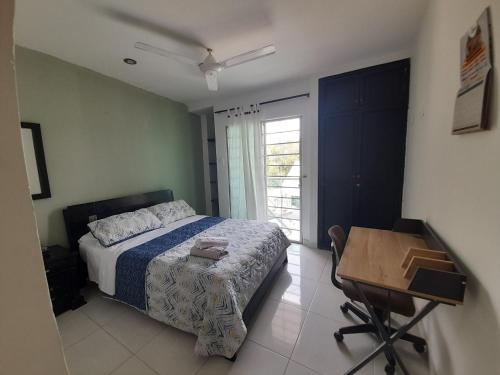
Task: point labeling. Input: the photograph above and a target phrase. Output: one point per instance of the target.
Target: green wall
(104, 138)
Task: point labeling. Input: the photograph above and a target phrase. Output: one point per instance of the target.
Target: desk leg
(387, 345)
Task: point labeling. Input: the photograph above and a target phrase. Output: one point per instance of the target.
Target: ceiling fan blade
(149, 25)
(211, 77)
(163, 52)
(249, 56)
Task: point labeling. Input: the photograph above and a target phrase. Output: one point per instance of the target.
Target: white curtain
(245, 151)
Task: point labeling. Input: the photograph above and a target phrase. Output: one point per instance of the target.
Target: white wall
(29, 341)
(309, 134)
(453, 181)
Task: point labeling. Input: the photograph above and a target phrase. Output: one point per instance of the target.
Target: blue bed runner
(131, 265)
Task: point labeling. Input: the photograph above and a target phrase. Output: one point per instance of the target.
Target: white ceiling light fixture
(209, 66)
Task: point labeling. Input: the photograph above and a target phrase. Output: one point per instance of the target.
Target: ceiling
(310, 36)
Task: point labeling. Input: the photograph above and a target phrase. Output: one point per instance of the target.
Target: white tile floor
(292, 334)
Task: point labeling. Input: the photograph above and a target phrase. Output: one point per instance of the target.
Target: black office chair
(382, 301)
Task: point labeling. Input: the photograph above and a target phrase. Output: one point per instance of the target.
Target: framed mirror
(34, 158)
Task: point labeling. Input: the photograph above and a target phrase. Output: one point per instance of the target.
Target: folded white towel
(206, 242)
(213, 252)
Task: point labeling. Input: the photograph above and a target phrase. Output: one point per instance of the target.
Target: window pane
(274, 201)
(283, 214)
(282, 140)
(283, 191)
(283, 171)
(284, 202)
(290, 214)
(284, 182)
(291, 224)
(283, 137)
(274, 212)
(293, 235)
(283, 160)
(282, 125)
(292, 202)
(285, 223)
(289, 148)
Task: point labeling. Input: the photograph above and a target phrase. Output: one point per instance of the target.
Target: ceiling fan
(210, 67)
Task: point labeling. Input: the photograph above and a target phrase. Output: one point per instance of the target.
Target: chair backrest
(339, 238)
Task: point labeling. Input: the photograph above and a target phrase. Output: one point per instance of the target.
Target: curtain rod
(269, 102)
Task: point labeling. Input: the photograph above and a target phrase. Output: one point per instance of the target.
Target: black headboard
(78, 216)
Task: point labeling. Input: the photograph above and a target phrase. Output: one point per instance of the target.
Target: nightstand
(61, 268)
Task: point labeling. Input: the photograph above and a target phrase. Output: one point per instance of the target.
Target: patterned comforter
(198, 295)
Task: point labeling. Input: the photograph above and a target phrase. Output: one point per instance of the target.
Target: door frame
(289, 108)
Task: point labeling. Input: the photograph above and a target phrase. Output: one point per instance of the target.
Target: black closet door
(384, 86)
(338, 164)
(381, 168)
(339, 112)
(339, 94)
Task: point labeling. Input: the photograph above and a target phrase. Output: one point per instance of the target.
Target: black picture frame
(41, 166)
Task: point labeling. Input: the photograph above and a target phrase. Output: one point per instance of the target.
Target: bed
(154, 272)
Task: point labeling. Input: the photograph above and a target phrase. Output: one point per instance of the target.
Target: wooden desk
(374, 257)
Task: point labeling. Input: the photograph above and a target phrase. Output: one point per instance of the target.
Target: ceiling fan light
(211, 78)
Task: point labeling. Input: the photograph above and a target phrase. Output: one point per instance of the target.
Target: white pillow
(172, 211)
(117, 228)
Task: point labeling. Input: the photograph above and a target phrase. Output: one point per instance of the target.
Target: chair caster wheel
(338, 336)
(344, 309)
(389, 369)
(419, 348)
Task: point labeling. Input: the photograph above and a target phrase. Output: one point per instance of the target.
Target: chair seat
(399, 303)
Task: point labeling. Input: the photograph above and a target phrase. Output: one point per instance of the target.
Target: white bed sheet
(101, 261)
